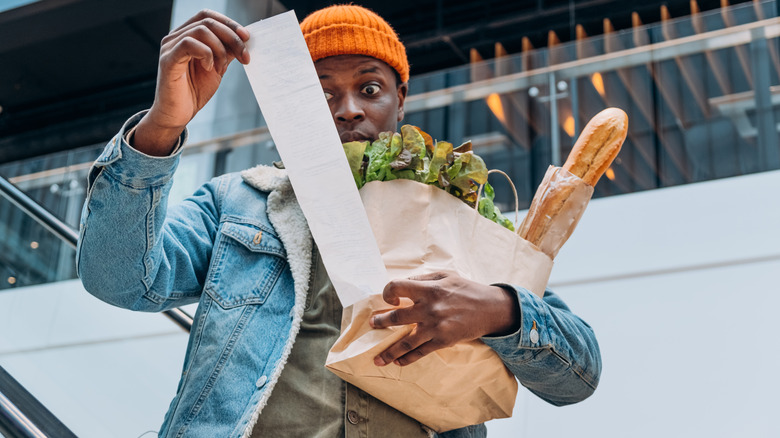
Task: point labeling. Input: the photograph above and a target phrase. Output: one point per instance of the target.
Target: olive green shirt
(310, 401)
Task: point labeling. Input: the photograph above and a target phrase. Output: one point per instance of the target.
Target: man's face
(363, 95)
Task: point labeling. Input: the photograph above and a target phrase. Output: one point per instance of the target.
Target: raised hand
(193, 59)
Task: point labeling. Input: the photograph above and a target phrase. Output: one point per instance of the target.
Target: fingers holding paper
(447, 309)
(193, 59)
(221, 38)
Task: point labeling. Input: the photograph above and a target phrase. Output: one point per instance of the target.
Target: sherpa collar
(287, 219)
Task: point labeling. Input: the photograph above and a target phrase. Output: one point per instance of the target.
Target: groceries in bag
(421, 228)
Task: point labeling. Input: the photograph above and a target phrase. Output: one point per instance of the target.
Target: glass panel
(56, 181)
(687, 85)
(11, 4)
(29, 253)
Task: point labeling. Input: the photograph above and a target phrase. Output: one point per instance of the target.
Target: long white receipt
(290, 96)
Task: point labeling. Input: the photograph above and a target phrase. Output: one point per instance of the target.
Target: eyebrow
(359, 73)
(366, 70)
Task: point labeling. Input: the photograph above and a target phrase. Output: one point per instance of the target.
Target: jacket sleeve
(132, 252)
(554, 353)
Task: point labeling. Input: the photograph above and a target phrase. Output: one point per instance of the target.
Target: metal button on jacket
(534, 334)
(353, 418)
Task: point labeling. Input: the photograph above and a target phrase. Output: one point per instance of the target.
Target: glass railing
(52, 242)
(30, 253)
(702, 93)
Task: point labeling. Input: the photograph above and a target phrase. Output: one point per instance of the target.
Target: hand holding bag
(422, 229)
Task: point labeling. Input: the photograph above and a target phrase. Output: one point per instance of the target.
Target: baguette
(591, 156)
(598, 145)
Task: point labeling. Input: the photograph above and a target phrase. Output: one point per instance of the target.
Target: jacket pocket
(247, 262)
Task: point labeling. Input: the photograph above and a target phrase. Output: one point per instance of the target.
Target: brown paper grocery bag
(450, 388)
(422, 229)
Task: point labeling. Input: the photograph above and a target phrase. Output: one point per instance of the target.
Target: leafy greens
(413, 154)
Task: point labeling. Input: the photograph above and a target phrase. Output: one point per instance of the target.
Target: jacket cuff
(532, 333)
(134, 168)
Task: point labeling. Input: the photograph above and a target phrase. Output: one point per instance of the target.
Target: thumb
(431, 276)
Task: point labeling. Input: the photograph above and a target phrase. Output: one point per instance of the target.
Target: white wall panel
(104, 371)
(681, 287)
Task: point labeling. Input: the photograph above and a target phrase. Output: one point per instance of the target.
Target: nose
(348, 109)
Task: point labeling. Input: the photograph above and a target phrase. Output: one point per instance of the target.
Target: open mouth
(348, 136)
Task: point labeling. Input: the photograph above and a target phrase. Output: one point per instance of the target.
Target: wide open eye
(328, 96)
(371, 89)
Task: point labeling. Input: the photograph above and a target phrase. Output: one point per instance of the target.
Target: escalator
(71, 365)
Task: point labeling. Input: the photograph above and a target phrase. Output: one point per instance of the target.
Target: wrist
(509, 317)
(152, 138)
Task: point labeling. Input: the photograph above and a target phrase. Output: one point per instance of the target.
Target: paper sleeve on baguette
(555, 210)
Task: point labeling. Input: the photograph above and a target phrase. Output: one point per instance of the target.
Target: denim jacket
(240, 247)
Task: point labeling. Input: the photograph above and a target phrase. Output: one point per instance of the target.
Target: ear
(402, 90)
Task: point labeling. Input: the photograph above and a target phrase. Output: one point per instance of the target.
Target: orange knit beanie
(354, 30)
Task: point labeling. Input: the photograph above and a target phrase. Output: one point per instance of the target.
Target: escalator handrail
(18, 424)
(38, 212)
(67, 234)
(24, 416)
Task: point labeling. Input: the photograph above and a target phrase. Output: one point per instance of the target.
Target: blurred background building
(674, 264)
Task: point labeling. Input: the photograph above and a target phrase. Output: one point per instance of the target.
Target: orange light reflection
(568, 126)
(598, 83)
(494, 103)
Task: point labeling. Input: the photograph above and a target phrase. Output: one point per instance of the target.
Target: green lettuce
(413, 154)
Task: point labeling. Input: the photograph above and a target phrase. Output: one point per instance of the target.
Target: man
(239, 246)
